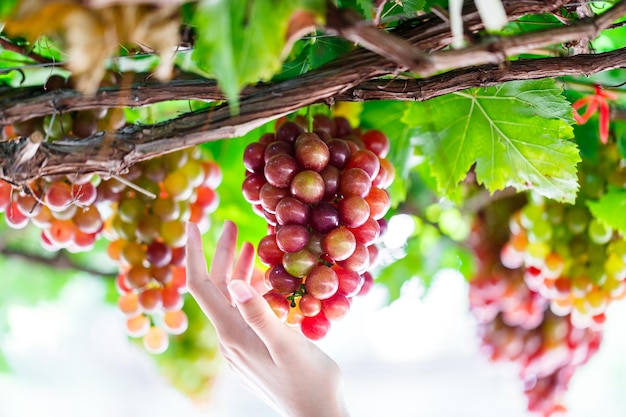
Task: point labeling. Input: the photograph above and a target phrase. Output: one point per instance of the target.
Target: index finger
(210, 298)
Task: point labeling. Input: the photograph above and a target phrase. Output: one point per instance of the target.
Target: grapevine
(323, 196)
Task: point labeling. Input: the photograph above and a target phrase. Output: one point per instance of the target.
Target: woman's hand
(278, 364)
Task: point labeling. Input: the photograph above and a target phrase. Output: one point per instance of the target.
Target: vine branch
(353, 77)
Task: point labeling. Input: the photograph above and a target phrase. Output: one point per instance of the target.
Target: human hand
(281, 366)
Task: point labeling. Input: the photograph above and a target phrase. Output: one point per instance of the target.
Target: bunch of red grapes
(516, 325)
(323, 195)
(143, 213)
(148, 238)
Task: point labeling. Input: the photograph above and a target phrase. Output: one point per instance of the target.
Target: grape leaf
(242, 42)
(514, 134)
(412, 6)
(7, 7)
(610, 208)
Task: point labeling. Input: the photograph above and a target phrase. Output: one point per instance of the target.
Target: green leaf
(513, 134)
(6, 7)
(412, 6)
(242, 42)
(610, 208)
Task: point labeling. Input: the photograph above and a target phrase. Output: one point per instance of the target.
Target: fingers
(258, 314)
(245, 263)
(221, 269)
(212, 301)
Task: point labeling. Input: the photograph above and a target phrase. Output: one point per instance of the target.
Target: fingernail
(239, 290)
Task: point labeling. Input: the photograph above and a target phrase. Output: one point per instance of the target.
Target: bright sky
(71, 359)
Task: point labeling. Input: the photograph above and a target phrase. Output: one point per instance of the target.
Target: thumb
(256, 311)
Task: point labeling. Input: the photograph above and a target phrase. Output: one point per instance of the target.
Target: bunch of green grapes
(571, 258)
(152, 204)
(323, 195)
(515, 323)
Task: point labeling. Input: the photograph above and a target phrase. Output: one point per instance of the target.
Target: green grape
(599, 232)
(530, 215)
(576, 219)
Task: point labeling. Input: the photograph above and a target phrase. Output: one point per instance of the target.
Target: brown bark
(352, 77)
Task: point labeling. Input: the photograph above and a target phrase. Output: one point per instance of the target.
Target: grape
(339, 153)
(28, 205)
(150, 300)
(278, 303)
(171, 299)
(354, 181)
(84, 194)
(269, 252)
(166, 209)
(148, 228)
(88, 220)
(128, 304)
(158, 254)
(315, 327)
(324, 217)
(58, 196)
(251, 188)
(290, 210)
(308, 187)
(175, 322)
(288, 132)
(6, 190)
(311, 152)
(359, 261)
(335, 307)
(61, 232)
(281, 281)
(156, 340)
(137, 277)
(366, 160)
(173, 233)
(177, 186)
(330, 175)
(292, 238)
(353, 211)
(130, 210)
(377, 142)
(253, 157)
(280, 170)
(378, 200)
(310, 305)
(350, 282)
(194, 173)
(137, 326)
(299, 263)
(342, 127)
(270, 196)
(322, 282)
(277, 148)
(367, 233)
(339, 244)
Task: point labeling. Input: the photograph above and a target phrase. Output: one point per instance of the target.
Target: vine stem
(353, 77)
